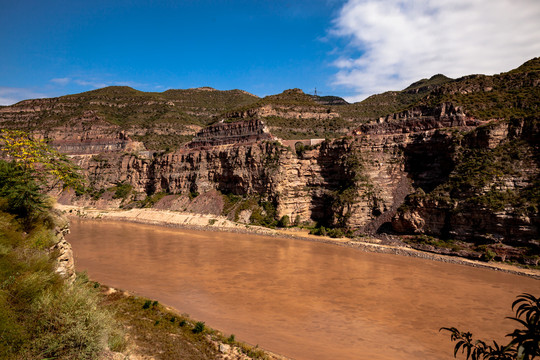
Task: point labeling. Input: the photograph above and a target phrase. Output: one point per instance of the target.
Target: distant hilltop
(171, 118)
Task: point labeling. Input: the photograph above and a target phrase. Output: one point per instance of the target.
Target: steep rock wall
(485, 192)
(312, 186)
(358, 182)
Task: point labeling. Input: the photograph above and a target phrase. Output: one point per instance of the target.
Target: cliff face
(489, 191)
(231, 133)
(244, 159)
(358, 182)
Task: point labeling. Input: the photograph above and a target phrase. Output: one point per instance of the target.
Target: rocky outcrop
(284, 111)
(242, 132)
(65, 265)
(446, 115)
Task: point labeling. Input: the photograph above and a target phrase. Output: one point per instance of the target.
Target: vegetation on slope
(389, 102)
(126, 107)
(161, 332)
(160, 120)
(41, 316)
(512, 94)
(480, 174)
(297, 115)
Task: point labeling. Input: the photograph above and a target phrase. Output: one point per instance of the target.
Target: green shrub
(230, 200)
(147, 304)
(199, 327)
(489, 254)
(264, 215)
(151, 200)
(331, 232)
(41, 316)
(231, 339)
(284, 221)
(21, 193)
(40, 238)
(122, 190)
(117, 340)
(69, 324)
(96, 194)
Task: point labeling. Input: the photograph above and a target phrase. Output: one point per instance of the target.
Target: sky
(347, 48)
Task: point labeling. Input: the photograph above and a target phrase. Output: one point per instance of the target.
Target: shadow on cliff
(429, 160)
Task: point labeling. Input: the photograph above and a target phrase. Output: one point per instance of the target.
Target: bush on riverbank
(40, 315)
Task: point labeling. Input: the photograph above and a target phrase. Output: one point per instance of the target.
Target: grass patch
(154, 329)
(152, 200)
(40, 315)
(122, 190)
(433, 241)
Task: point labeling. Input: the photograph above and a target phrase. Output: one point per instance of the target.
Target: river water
(305, 300)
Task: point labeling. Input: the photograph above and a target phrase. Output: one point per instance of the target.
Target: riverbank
(205, 222)
(153, 329)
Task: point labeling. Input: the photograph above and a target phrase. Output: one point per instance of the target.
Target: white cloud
(92, 83)
(61, 81)
(10, 96)
(397, 42)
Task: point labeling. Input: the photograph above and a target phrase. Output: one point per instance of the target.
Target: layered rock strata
(242, 132)
(446, 115)
(495, 203)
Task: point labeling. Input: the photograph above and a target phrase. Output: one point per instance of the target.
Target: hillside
(160, 120)
(169, 119)
(389, 102)
(512, 94)
(294, 115)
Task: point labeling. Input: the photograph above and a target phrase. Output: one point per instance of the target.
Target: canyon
(455, 170)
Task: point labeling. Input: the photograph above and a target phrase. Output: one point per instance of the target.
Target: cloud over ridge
(392, 43)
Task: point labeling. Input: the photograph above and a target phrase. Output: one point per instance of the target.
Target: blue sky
(350, 48)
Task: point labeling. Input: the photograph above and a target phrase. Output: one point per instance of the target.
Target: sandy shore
(219, 223)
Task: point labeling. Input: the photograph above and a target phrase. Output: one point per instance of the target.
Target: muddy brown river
(301, 299)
